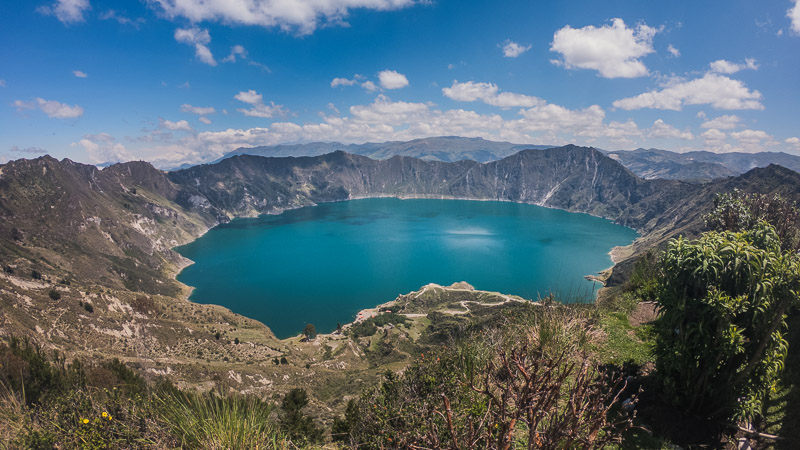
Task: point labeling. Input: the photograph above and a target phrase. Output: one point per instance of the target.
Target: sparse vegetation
(54, 294)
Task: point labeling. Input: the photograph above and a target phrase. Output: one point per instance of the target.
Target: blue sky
(184, 81)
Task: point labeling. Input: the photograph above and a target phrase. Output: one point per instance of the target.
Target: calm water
(323, 264)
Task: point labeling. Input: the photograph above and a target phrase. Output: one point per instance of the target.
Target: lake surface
(323, 264)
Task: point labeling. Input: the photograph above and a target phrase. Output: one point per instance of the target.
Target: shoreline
(617, 253)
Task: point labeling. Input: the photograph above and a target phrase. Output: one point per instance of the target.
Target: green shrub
(54, 294)
(36, 275)
(724, 300)
(370, 326)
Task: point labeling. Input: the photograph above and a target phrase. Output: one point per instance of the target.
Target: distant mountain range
(443, 148)
(698, 166)
(647, 163)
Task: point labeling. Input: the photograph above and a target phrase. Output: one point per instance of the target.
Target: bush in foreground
(724, 300)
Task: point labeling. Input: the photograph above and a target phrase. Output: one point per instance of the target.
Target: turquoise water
(323, 264)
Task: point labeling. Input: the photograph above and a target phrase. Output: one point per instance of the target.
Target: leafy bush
(54, 294)
(738, 211)
(36, 275)
(724, 300)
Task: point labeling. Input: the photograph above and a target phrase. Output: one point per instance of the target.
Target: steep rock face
(571, 178)
(113, 227)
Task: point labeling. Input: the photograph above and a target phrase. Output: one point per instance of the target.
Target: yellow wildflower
(105, 414)
(85, 421)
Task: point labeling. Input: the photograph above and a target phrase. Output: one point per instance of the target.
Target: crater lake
(322, 264)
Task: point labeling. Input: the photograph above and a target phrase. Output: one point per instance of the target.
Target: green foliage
(524, 383)
(643, 282)
(54, 294)
(299, 427)
(738, 211)
(88, 307)
(370, 326)
(724, 300)
(36, 275)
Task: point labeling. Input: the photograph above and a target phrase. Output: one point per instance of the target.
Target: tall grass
(212, 422)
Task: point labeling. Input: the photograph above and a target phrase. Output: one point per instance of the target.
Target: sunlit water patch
(323, 264)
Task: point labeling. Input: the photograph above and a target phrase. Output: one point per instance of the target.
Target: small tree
(724, 300)
(300, 428)
(310, 331)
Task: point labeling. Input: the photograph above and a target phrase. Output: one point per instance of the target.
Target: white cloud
(205, 120)
(752, 140)
(236, 51)
(180, 125)
(79, 74)
(199, 38)
(67, 11)
(369, 86)
(727, 122)
(391, 79)
(673, 51)
(103, 148)
(259, 109)
(716, 90)
(511, 49)
(342, 82)
(53, 109)
(723, 66)
(22, 105)
(614, 51)
(715, 140)
(488, 93)
(661, 129)
(301, 16)
(794, 15)
(793, 142)
(199, 110)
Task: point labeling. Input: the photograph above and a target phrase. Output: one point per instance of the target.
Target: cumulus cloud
(369, 86)
(511, 49)
(79, 74)
(258, 108)
(391, 79)
(727, 67)
(715, 140)
(712, 89)
(199, 110)
(752, 140)
(103, 148)
(727, 122)
(794, 15)
(339, 81)
(52, 108)
(300, 16)
(673, 51)
(67, 11)
(612, 50)
(180, 125)
(489, 93)
(793, 142)
(661, 129)
(236, 51)
(199, 38)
